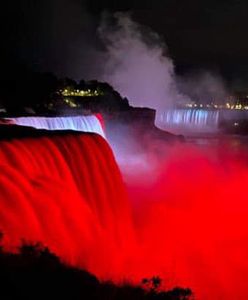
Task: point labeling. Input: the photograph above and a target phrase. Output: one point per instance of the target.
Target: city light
(227, 105)
(80, 93)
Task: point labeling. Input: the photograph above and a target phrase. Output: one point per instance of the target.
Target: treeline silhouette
(35, 273)
(42, 92)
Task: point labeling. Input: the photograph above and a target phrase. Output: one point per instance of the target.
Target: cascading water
(66, 191)
(90, 123)
(194, 120)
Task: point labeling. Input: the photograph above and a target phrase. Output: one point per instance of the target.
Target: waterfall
(199, 120)
(77, 123)
(65, 190)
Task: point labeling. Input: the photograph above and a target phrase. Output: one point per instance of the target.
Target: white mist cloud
(136, 63)
(203, 86)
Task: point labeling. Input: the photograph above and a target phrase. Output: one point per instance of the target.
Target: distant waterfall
(199, 120)
(77, 123)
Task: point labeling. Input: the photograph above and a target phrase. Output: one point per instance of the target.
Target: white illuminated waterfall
(78, 123)
(180, 120)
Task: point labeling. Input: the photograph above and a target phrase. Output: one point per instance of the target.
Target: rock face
(136, 122)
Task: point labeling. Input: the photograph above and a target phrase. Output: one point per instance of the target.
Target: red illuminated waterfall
(65, 190)
(185, 220)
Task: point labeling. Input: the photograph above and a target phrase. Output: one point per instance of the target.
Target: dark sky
(49, 34)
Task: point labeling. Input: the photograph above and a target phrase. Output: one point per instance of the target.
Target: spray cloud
(136, 62)
(203, 86)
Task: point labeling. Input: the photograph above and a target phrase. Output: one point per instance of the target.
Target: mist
(137, 62)
(66, 38)
(190, 211)
(203, 86)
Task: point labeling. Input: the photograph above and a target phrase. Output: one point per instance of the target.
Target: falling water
(65, 191)
(195, 120)
(78, 123)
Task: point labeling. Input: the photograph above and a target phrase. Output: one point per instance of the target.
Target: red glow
(188, 226)
(193, 218)
(66, 192)
(101, 120)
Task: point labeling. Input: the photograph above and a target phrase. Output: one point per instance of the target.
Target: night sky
(51, 35)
